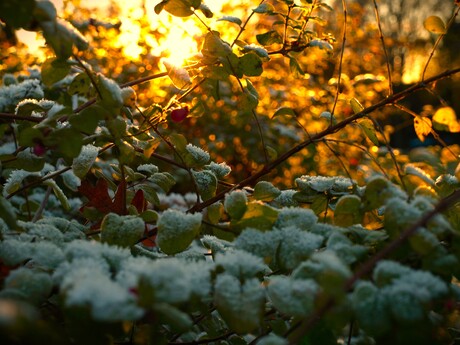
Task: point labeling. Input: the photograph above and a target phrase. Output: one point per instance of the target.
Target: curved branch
(330, 130)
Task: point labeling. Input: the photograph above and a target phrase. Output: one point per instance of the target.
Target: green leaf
(206, 11)
(265, 191)
(123, 231)
(67, 141)
(85, 160)
(260, 51)
(87, 120)
(368, 128)
(264, 8)
(321, 44)
(269, 38)
(435, 25)
(27, 161)
(235, 204)
(286, 111)
(295, 68)
(214, 46)
(179, 321)
(150, 194)
(411, 169)
(214, 212)
(8, 213)
(17, 13)
(61, 36)
(164, 180)
(319, 203)
(378, 190)
(44, 11)
(177, 230)
(28, 106)
(206, 182)
(179, 76)
(231, 19)
(181, 8)
(80, 84)
(251, 65)
(109, 92)
(239, 303)
(356, 106)
(257, 216)
(54, 70)
(348, 211)
(59, 194)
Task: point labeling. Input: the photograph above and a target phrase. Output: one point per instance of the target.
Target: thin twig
(40, 210)
(243, 27)
(342, 50)
(306, 325)
(382, 39)
(438, 40)
(328, 131)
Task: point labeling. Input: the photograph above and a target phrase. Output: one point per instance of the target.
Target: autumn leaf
(446, 119)
(422, 126)
(99, 198)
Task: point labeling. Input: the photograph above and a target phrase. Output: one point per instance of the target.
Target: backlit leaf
(284, 111)
(435, 25)
(270, 37)
(422, 126)
(53, 70)
(368, 128)
(446, 119)
(230, 19)
(251, 65)
(265, 191)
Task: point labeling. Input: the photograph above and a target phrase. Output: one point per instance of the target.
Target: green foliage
(118, 224)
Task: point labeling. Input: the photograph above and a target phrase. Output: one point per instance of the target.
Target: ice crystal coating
(176, 230)
(241, 264)
(294, 297)
(219, 169)
(33, 285)
(286, 198)
(15, 179)
(85, 160)
(262, 244)
(296, 246)
(11, 95)
(344, 248)
(148, 168)
(301, 218)
(235, 203)
(324, 183)
(199, 155)
(122, 231)
(42, 254)
(240, 304)
(272, 339)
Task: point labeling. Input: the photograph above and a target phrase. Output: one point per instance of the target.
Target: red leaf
(139, 201)
(98, 195)
(119, 201)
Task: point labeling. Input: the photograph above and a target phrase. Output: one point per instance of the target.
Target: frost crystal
(85, 160)
(11, 95)
(345, 249)
(272, 339)
(33, 285)
(240, 264)
(301, 218)
(42, 254)
(148, 168)
(15, 179)
(262, 244)
(296, 246)
(169, 281)
(199, 155)
(294, 297)
(107, 300)
(220, 170)
(286, 198)
(323, 183)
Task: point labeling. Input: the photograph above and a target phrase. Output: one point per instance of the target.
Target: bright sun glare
(180, 34)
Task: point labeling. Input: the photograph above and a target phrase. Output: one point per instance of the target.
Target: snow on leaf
(298, 217)
(206, 182)
(122, 231)
(240, 304)
(324, 183)
(296, 246)
(272, 339)
(43, 254)
(265, 191)
(83, 162)
(293, 297)
(259, 50)
(11, 95)
(286, 198)
(345, 249)
(240, 264)
(108, 300)
(411, 169)
(262, 244)
(34, 286)
(235, 204)
(219, 169)
(176, 230)
(215, 244)
(323, 265)
(200, 156)
(14, 181)
(148, 168)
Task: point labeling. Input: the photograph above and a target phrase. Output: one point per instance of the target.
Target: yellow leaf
(422, 127)
(446, 119)
(356, 106)
(435, 25)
